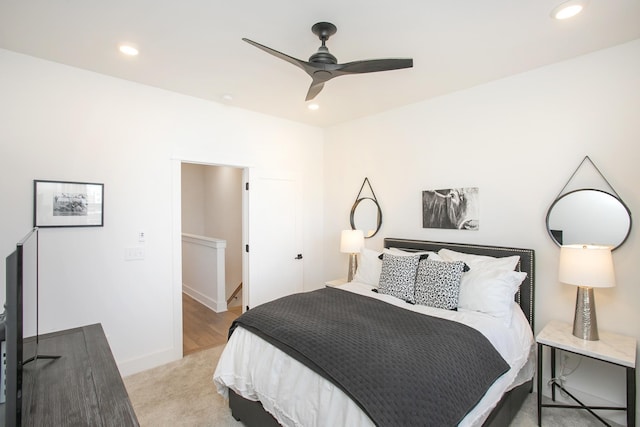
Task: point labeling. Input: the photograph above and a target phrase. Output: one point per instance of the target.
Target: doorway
(271, 253)
(211, 208)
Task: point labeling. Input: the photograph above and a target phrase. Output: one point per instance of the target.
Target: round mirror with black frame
(366, 215)
(589, 216)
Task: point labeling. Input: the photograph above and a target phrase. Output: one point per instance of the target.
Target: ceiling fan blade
(319, 79)
(314, 90)
(290, 59)
(374, 65)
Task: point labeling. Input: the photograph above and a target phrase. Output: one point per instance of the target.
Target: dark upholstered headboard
(524, 297)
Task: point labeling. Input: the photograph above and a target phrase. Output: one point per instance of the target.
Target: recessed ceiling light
(568, 9)
(127, 49)
(227, 97)
(313, 106)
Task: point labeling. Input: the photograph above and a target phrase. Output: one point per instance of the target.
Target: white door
(274, 264)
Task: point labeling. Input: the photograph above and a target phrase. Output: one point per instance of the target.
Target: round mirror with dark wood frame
(366, 215)
(589, 216)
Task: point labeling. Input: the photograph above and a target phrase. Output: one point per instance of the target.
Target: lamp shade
(351, 241)
(586, 265)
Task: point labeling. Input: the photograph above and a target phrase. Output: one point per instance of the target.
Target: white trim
(210, 303)
(148, 361)
(176, 252)
(204, 241)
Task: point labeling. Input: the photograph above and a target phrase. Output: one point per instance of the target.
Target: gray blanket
(402, 368)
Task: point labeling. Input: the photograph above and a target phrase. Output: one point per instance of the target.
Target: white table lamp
(351, 242)
(588, 267)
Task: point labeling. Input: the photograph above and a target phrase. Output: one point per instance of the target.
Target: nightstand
(335, 283)
(611, 348)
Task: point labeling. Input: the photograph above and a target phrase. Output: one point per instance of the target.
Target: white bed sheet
(297, 396)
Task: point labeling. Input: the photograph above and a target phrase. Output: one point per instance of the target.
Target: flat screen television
(20, 323)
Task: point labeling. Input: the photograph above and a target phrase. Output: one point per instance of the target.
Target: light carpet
(182, 393)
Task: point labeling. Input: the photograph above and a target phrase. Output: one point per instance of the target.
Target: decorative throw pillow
(398, 276)
(438, 283)
(369, 269)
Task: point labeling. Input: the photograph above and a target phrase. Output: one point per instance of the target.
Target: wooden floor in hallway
(203, 328)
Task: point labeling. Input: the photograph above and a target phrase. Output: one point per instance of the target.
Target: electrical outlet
(141, 237)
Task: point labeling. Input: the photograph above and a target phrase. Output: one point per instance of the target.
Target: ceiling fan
(323, 66)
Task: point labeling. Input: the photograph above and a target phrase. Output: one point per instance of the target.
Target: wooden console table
(81, 388)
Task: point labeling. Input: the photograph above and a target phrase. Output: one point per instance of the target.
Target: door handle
(299, 256)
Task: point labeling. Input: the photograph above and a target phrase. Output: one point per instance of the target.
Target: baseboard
(205, 300)
(133, 366)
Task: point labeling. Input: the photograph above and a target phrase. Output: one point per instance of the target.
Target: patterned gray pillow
(398, 276)
(438, 283)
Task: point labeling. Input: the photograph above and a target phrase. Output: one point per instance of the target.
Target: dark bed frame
(252, 414)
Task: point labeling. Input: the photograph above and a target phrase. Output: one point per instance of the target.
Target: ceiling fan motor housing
(323, 56)
(323, 30)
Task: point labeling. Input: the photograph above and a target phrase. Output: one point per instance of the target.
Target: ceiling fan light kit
(323, 66)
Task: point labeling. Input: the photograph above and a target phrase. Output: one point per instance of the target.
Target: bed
(268, 384)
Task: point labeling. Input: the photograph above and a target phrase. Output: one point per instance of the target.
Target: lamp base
(353, 266)
(585, 324)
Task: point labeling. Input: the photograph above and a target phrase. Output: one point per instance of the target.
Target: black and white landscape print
(451, 208)
(70, 204)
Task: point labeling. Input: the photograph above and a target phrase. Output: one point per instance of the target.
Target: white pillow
(481, 261)
(369, 268)
(490, 284)
(490, 291)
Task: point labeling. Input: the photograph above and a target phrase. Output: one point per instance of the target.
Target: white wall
(517, 139)
(63, 123)
(223, 215)
(193, 201)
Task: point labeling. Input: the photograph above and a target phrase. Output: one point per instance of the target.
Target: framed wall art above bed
(451, 208)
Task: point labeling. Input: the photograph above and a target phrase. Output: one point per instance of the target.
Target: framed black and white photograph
(67, 204)
(451, 208)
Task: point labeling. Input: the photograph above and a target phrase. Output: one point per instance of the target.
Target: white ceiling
(194, 46)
